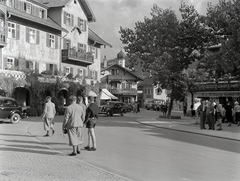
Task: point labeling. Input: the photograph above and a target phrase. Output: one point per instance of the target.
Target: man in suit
(73, 122)
(48, 115)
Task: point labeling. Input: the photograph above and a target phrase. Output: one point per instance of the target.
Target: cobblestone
(24, 158)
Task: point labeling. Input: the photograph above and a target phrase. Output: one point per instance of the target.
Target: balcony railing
(13, 73)
(124, 91)
(68, 54)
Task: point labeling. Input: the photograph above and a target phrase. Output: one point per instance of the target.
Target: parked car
(9, 109)
(154, 104)
(113, 107)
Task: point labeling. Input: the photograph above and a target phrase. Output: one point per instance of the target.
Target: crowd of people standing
(77, 116)
(212, 112)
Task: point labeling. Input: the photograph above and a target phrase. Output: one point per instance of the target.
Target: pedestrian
(236, 112)
(229, 113)
(197, 103)
(193, 113)
(202, 113)
(48, 116)
(73, 122)
(210, 114)
(138, 107)
(92, 114)
(184, 109)
(219, 114)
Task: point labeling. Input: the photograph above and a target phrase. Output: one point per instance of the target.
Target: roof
(61, 3)
(94, 37)
(123, 69)
(46, 22)
(146, 82)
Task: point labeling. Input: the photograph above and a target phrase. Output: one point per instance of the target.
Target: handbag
(65, 131)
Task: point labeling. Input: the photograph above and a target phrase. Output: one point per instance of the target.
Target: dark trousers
(202, 120)
(211, 120)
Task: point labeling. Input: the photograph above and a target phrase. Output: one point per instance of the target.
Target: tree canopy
(224, 20)
(165, 46)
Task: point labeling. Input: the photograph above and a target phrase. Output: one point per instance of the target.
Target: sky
(113, 14)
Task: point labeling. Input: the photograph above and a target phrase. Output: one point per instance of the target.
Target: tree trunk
(170, 107)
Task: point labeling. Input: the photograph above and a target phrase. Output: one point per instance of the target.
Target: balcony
(124, 91)
(77, 57)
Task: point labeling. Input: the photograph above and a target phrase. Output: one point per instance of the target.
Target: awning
(92, 94)
(106, 95)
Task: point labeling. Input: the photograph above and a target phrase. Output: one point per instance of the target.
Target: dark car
(9, 109)
(113, 107)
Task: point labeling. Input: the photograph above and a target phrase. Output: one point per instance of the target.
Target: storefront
(224, 91)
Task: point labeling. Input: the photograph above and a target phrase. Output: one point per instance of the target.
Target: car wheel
(109, 113)
(15, 118)
(121, 114)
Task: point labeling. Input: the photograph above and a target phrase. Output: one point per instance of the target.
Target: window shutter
(27, 64)
(17, 31)
(78, 23)
(16, 63)
(36, 67)
(64, 44)
(64, 70)
(27, 34)
(47, 67)
(96, 75)
(96, 52)
(33, 10)
(4, 63)
(90, 74)
(84, 73)
(56, 42)
(71, 70)
(72, 20)
(37, 11)
(85, 48)
(16, 5)
(55, 69)
(21, 5)
(48, 37)
(85, 25)
(65, 17)
(38, 38)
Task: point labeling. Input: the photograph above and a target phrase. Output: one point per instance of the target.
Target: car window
(9, 103)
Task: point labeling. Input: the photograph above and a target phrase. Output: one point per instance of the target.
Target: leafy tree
(165, 46)
(224, 20)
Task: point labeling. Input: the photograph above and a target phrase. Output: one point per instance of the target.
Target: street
(125, 148)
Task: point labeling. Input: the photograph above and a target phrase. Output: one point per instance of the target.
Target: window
(81, 47)
(10, 62)
(80, 72)
(10, 3)
(68, 19)
(27, 8)
(66, 44)
(52, 41)
(29, 65)
(93, 74)
(11, 30)
(42, 13)
(32, 36)
(82, 24)
(68, 70)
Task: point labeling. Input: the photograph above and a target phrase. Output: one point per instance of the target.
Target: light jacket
(74, 116)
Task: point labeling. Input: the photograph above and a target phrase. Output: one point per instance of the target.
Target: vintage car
(113, 107)
(154, 104)
(9, 109)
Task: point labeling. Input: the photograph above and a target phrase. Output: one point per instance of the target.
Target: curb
(184, 131)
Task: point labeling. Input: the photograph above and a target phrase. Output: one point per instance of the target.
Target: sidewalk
(187, 124)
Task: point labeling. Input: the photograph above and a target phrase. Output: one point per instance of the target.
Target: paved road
(127, 148)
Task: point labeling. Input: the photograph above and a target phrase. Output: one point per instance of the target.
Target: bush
(32, 112)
